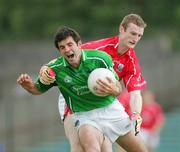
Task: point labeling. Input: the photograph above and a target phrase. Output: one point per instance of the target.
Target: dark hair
(63, 33)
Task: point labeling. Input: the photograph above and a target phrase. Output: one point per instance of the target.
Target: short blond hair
(133, 18)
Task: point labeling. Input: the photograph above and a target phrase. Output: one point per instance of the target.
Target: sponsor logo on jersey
(80, 90)
(139, 78)
(120, 67)
(67, 79)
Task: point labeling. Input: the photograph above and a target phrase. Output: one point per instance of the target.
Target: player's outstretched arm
(27, 83)
(136, 106)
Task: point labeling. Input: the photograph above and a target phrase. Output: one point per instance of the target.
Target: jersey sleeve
(41, 87)
(133, 79)
(134, 82)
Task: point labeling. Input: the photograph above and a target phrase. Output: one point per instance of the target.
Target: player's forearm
(135, 101)
(32, 89)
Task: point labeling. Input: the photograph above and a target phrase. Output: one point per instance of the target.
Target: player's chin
(132, 46)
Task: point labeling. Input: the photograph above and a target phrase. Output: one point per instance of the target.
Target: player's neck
(122, 49)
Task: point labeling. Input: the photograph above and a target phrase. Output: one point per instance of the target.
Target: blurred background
(31, 123)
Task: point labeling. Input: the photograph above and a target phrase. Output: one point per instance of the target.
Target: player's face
(70, 50)
(130, 37)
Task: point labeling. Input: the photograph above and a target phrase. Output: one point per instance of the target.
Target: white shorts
(111, 120)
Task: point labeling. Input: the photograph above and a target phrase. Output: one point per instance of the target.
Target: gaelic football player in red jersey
(126, 65)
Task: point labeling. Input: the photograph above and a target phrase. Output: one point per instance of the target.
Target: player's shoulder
(132, 52)
(56, 61)
(100, 42)
(113, 39)
(52, 61)
(108, 41)
(96, 53)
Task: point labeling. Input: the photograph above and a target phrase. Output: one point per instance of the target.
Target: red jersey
(126, 65)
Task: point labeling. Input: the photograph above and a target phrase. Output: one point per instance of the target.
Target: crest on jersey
(67, 79)
(120, 67)
(139, 78)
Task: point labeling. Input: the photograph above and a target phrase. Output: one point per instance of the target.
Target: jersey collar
(84, 57)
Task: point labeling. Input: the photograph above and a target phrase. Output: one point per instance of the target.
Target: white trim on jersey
(134, 67)
(97, 58)
(99, 48)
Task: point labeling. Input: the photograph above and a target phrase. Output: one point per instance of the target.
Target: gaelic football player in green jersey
(94, 116)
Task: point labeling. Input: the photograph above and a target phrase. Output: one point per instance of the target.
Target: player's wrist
(116, 92)
(136, 120)
(118, 89)
(135, 115)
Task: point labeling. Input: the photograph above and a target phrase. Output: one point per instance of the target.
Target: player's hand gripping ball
(99, 73)
(47, 75)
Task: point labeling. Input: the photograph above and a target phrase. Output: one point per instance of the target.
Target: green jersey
(72, 82)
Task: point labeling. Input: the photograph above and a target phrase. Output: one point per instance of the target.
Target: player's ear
(121, 29)
(79, 43)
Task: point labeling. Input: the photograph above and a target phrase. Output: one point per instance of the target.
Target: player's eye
(133, 33)
(61, 48)
(70, 44)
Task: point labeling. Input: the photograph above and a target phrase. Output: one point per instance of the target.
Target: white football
(99, 73)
